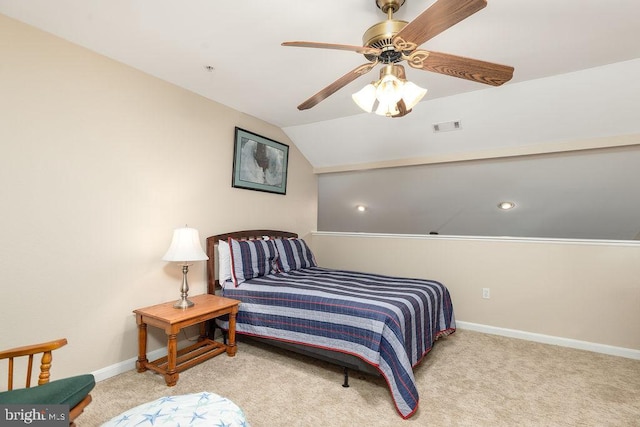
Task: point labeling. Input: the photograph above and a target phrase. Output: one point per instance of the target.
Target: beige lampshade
(185, 246)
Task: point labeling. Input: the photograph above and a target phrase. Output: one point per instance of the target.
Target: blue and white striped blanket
(389, 322)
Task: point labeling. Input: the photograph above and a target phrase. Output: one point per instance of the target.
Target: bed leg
(211, 329)
(346, 377)
(211, 324)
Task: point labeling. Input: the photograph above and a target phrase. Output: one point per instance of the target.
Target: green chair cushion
(67, 391)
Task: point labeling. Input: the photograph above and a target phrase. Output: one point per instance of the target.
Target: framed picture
(259, 163)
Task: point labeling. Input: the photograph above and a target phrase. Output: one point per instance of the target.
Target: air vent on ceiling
(447, 126)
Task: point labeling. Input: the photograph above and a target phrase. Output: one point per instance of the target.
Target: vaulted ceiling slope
(575, 83)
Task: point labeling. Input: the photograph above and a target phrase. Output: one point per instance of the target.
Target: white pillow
(224, 262)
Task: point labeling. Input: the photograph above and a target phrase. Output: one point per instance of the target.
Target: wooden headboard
(212, 241)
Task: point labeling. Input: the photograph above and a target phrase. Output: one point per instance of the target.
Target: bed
(373, 323)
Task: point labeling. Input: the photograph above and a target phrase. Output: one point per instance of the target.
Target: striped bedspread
(389, 322)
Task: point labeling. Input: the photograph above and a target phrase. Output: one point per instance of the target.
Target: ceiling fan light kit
(391, 96)
(393, 41)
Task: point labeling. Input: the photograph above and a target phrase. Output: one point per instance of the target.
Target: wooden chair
(73, 391)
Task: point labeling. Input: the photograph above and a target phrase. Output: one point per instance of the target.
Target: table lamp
(185, 247)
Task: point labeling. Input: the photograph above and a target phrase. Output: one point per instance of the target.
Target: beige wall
(99, 164)
(587, 291)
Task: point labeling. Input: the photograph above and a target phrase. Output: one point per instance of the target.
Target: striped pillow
(251, 258)
(294, 254)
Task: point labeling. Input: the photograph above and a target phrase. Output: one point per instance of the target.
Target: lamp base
(183, 303)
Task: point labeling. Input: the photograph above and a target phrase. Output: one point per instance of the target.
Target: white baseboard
(129, 364)
(548, 339)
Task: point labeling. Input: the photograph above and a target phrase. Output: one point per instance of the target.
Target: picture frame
(259, 163)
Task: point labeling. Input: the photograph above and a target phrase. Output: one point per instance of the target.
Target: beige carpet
(468, 379)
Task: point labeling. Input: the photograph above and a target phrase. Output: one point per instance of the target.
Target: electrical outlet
(485, 293)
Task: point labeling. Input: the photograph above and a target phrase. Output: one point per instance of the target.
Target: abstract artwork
(259, 163)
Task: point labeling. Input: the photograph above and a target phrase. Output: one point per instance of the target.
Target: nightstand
(172, 320)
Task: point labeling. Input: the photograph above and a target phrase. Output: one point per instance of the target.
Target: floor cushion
(197, 409)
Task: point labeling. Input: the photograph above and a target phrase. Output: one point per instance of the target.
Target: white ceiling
(576, 69)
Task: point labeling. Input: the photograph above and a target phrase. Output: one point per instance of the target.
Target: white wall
(578, 290)
(99, 164)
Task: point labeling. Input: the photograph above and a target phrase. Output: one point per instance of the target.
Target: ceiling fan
(392, 41)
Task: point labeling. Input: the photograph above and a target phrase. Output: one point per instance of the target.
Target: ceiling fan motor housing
(381, 36)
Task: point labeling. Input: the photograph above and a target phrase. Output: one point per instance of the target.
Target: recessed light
(506, 205)
(361, 208)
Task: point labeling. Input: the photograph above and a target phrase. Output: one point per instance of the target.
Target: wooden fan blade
(359, 49)
(459, 66)
(437, 18)
(337, 85)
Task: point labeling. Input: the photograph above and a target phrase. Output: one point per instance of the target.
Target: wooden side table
(172, 320)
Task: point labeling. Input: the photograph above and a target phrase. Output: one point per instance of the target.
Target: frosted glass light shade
(412, 94)
(365, 98)
(185, 246)
(388, 110)
(389, 90)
